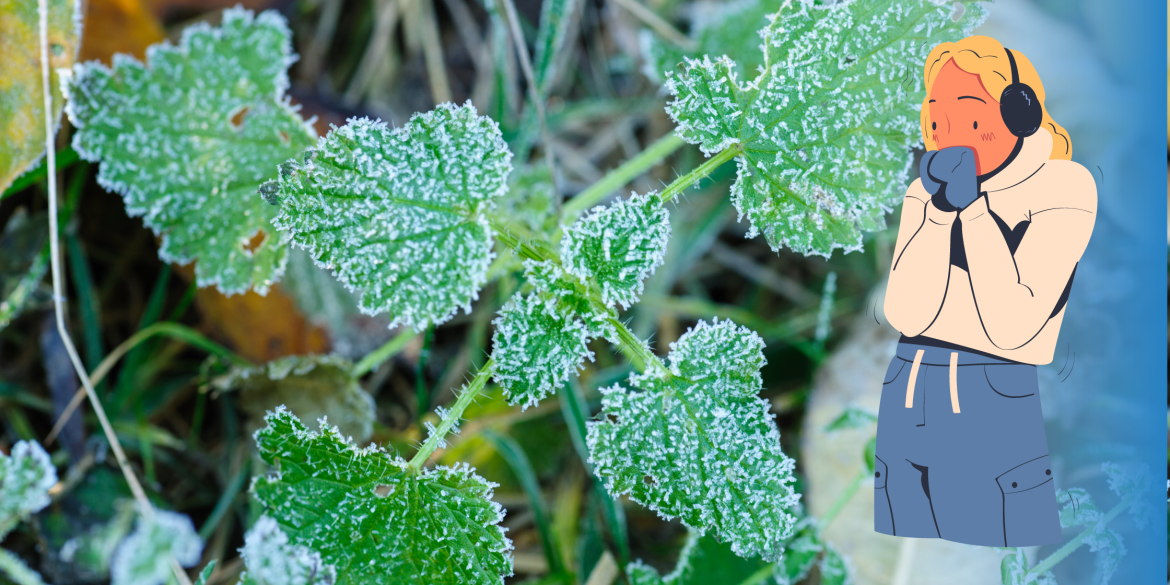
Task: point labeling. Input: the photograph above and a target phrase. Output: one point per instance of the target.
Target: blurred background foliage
(185, 417)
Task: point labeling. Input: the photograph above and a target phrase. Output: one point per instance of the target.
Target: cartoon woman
(989, 241)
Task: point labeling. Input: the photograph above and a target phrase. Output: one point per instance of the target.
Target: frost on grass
(824, 131)
(696, 442)
(399, 213)
(1078, 509)
(26, 474)
(188, 137)
(374, 520)
(541, 338)
(703, 561)
(144, 558)
(270, 559)
(311, 387)
(618, 246)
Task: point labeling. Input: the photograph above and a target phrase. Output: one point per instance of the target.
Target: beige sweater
(1001, 304)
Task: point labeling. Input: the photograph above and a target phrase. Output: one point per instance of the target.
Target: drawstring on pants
(954, 376)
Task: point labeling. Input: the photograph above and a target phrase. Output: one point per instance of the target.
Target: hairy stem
(680, 184)
(1075, 543)
(620, 176)
(453, 415)
(633, 348)
(388, 350)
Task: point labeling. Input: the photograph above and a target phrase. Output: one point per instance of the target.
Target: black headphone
(1018, 106)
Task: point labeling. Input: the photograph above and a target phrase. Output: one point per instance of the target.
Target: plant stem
(842, 499)
(12, 567)
(633, 347)
(388, 350)
(421, 391)
(680, 184)
(522, 247)
(473, 389)
(620, 176)
(760, 575)
(1075, 543)
(174, 330)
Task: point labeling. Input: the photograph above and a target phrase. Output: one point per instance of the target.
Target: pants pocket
(883, 513)
(1030, 516)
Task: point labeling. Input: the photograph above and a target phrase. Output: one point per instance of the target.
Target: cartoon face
(962, 113)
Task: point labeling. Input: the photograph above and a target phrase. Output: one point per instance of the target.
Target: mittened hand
(949, 176)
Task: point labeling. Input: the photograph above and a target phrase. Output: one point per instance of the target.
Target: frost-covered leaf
(26, 474)
(702, 561)
(23, 264)
(188, 137)
(205, 574)
(399, 213)
(834, 567)
(311, 387)
(144, 558)
(1014, 571)
(823, 134)
(1110, 549)
(1078, 509)
(801, 554)
(698, 443)
(1139, 484)
(529, 200)
(93, 551)
(271, 560)
(371, 518)
(541, 338)
(618, 245)
(718, 27)
(854, 417)
(22, 98)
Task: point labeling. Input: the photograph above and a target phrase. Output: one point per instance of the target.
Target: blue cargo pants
(961, 451)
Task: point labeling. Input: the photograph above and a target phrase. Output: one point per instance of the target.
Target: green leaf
(541, 338)
(834, 567)
(1136, 483)
(399, 213)
(555, 18)
(823, 133)
(144, 558)
(26, 474)
(853, 417)
(724, 28)
(369, 516)
(801, 554)
(698, 443)
(187, 138)
(1078, 509)
(23, 264)
(312, 387)
(618, 246)
(702, 561)
(22, 97)
(205, 574)
(271, 560)
(1014, 571)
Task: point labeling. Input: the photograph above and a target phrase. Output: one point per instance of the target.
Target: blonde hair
(986, 57)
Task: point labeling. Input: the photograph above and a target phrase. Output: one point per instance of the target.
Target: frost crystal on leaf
(1014, 571)
(369, 516)
(835, 568)
(824, 131)
(698, 443)
(271, 560)
(187, 138)
(541, 338)
(144, 558)
(1080, 510)
(399, 213)
(1138, 484)
(26, 475)
(618, 246)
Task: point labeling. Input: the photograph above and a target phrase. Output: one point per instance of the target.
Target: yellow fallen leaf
(22, 124)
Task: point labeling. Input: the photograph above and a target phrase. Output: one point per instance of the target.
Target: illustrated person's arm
(921, 269)
(1015, 296)
(921, 264)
